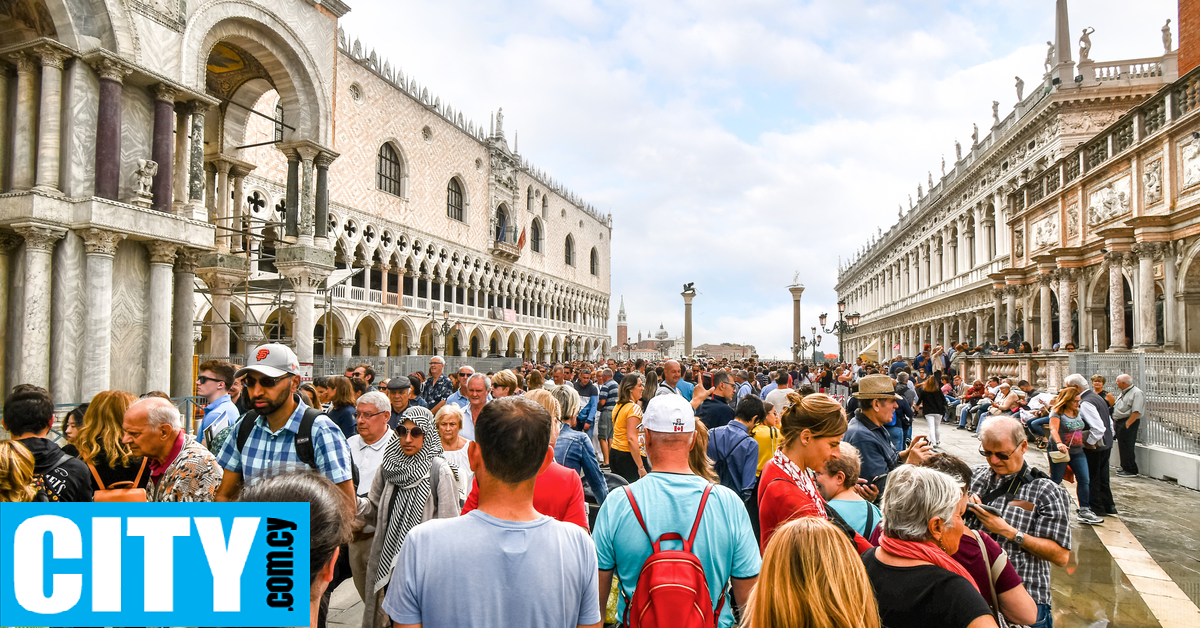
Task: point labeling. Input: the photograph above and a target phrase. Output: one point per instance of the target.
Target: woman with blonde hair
(1064, 446)
(16, 472)
(698, 458)
(543, 398)
(99, 442)
(811, 578)
(504, 384)
(449, 422)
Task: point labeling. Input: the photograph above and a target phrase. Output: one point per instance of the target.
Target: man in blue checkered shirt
(271, 381)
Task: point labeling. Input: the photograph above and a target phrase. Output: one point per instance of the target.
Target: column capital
(382, 345)
(185, 260)
(1044, 279)
(165, 92)
(162, 252)
(40, 237)
(25, 62)
(414, 347)
(1148, 249)
(304, 277)
(346, 343)
(100, 241)
(324, 159)
(111, 69)
(1114, 257)
(198, 107)
(52, 56)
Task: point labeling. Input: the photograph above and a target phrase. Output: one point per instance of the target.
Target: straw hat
(876, 387)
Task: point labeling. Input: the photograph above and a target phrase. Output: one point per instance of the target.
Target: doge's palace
(190, 179)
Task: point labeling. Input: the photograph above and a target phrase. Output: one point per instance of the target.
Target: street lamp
(846, 324)
(443, 330)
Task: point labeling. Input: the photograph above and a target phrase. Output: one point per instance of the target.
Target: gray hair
(487, 383)
(607, 372)
(568, 399)
(377, 399)
(164, 414)
(915, 496)
(1000, 426)
(1125, 378)
(1076, 380)
(902, 377)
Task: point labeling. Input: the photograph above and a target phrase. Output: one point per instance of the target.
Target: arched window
(501, 225)
(535, 241)
(454, 200)
(388, 174)
(595, 262)
(569, 250)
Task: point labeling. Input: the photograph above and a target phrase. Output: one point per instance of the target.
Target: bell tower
(622, 327)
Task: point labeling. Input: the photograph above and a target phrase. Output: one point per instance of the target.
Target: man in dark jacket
(715, 410)
(28, 415)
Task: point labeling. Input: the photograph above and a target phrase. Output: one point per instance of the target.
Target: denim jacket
(574, 450)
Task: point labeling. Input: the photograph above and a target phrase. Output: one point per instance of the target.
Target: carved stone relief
(1019, 241)
(1073, 220)
(1152, 182)
(1109, 202)
(1045, 232)
(1088, 121)
(1191, 163)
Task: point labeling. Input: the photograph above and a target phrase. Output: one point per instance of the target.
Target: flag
(521, 241)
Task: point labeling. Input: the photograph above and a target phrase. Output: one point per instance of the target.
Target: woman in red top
(812, 429)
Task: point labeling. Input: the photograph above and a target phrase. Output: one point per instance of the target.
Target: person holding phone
(867, 432)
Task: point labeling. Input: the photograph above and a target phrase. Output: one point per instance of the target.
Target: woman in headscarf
(414, 484)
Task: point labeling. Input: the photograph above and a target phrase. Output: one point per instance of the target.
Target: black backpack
(304, 445)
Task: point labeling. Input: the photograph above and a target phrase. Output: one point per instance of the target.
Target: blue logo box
(109, 564)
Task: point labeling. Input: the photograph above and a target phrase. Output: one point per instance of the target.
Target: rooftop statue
(1020, 89)
(957, 151)
(1049, 56)
(1085, 44)
(1166, 31)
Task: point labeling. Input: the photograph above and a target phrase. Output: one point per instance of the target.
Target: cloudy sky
(738, 143)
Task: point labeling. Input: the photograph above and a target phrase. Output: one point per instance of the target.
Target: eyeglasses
(366, 415)
(462, 374)
(987, 455)
(416, 432)
(265, 382)
(204, 380)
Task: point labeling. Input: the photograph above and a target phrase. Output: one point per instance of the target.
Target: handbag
(120, 491)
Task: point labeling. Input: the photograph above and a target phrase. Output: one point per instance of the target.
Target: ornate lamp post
(846, 324)
(446, 328)
(801, 347)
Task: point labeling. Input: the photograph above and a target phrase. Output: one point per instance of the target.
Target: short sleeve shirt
(608, 392)
(437, 392)
(668, 502)
(477, 570)
(267, 453)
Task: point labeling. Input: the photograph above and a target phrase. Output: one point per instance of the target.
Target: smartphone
(875, 480)
(991, 509)
(706, 380)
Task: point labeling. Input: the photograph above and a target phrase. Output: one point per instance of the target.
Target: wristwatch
(1019, 538)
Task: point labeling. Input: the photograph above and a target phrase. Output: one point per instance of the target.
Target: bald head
(672, 371)
(1003, 430)
(155, 411)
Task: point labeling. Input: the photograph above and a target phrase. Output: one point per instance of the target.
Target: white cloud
(736, 143)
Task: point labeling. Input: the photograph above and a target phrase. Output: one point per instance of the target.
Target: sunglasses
(264, 381)
(204, 380)
(416, 432)
(987, 455)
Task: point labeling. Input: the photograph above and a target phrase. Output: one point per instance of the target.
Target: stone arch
(81, 26)
(368, 330)
(402, 334)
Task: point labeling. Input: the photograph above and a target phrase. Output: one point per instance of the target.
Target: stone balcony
(505, 251)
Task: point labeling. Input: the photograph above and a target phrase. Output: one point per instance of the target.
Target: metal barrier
(1171, 382)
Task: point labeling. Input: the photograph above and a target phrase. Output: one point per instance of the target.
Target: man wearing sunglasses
(271, 382)
(214, 382)
(459, 397)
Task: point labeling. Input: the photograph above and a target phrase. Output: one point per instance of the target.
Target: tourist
(557, 377)
(766, 433)
(779, 396)
(414, 484)
(214, 384)
(672, 499)
(1065, 447)
(447, 571)
(981, 556)
(771, 385)
(324, 391)
(741, 380)
(437, 388)
(535, 381)
(180, 468)
(837, 482)
(916, 583)
(967, 401)
(71, 423)
(651, 384)
(1035, 527)
(16, 473)
(365, 373)
(28, 417)
(933, 406)
(269, 447)
(478, 395)
(101, 445)
(449, 421)
(504, 384)
(715, 411)
(1127, 414)
(367, 449)
(733, 450)
(1098, 438)
(811, 577)
(609, 385)
(627, 430)
(341, 404)
(329, 527)
(401, 396)
(459, 396)
(867, 433)
(589, 398)
(672, 372)
(572, 448)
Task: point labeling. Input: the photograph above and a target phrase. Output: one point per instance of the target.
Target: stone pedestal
(306, 267)
(797, 290)
(100, 246)
(35, 337)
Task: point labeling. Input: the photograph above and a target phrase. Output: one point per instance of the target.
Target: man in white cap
(275, 441)
(669, 499)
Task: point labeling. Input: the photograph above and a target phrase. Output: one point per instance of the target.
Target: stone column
(796, 290)
(196, 160)
(221, 206)
(1116, 298)
(108, 128)
(220, 288)
(1144, 305)
(322, 163)
(347, 345)
(210, 194)
(1066, 278)
(8, 243)
(158, 316)
(381, 349)
(1170, 270)
(182, 160)
(1045, 312)
(997, 314)
(50, 119)
(35, 337)
(237, 206)
(980, 328)
(183, 331)
(163, 150)
(962, 328)
(307, 193)
(101, 246)
(291, 228)
(1010, 310)
(304, 279)
(24, 146)
(946, 333)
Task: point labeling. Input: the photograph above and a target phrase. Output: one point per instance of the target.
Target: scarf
(926, 551)
(410, 476)
(802, 480)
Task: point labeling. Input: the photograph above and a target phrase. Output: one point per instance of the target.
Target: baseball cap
(399, 383)
(272, 360)
(669, 413)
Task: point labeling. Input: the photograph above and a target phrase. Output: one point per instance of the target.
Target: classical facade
(1079, 198)
(182, 179)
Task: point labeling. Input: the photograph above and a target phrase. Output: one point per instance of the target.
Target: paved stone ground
(1116, 575)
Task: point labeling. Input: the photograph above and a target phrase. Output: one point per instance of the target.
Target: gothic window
(595, 262)
(535, 241)
(388, 171)
(569, 250)
(501, 224)
(454, 200)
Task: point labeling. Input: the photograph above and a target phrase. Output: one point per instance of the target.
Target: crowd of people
(709, 493)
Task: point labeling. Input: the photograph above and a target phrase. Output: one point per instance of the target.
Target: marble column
(8, 243)
(1045, 312)
(24, 146)
(196, 159)
(237, 208)
(305, 280)
(221, 292)
(158, 315)
(1116, 298)
(1170, 321)
(797, 291)
(108, 128)
(162, 145)
(101, 246)
(687, 319)
(182, 160)
(1010, 311)
(307, 193)
(210, 194)
(183, 330)
(321, 226)
(347, 345)
(946, 333)
(291, 227)
(5, 157)
(50, 119)
(35, 337)
(1147, 330)
(980, 328)
(221, 207)
(997, 314)
(1066, 278)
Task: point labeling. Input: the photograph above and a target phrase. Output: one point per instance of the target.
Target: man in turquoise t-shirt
(668, 498)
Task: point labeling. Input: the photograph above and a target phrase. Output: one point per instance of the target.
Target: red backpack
(671, 589)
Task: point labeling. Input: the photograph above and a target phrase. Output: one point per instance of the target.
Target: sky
(739, 143)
